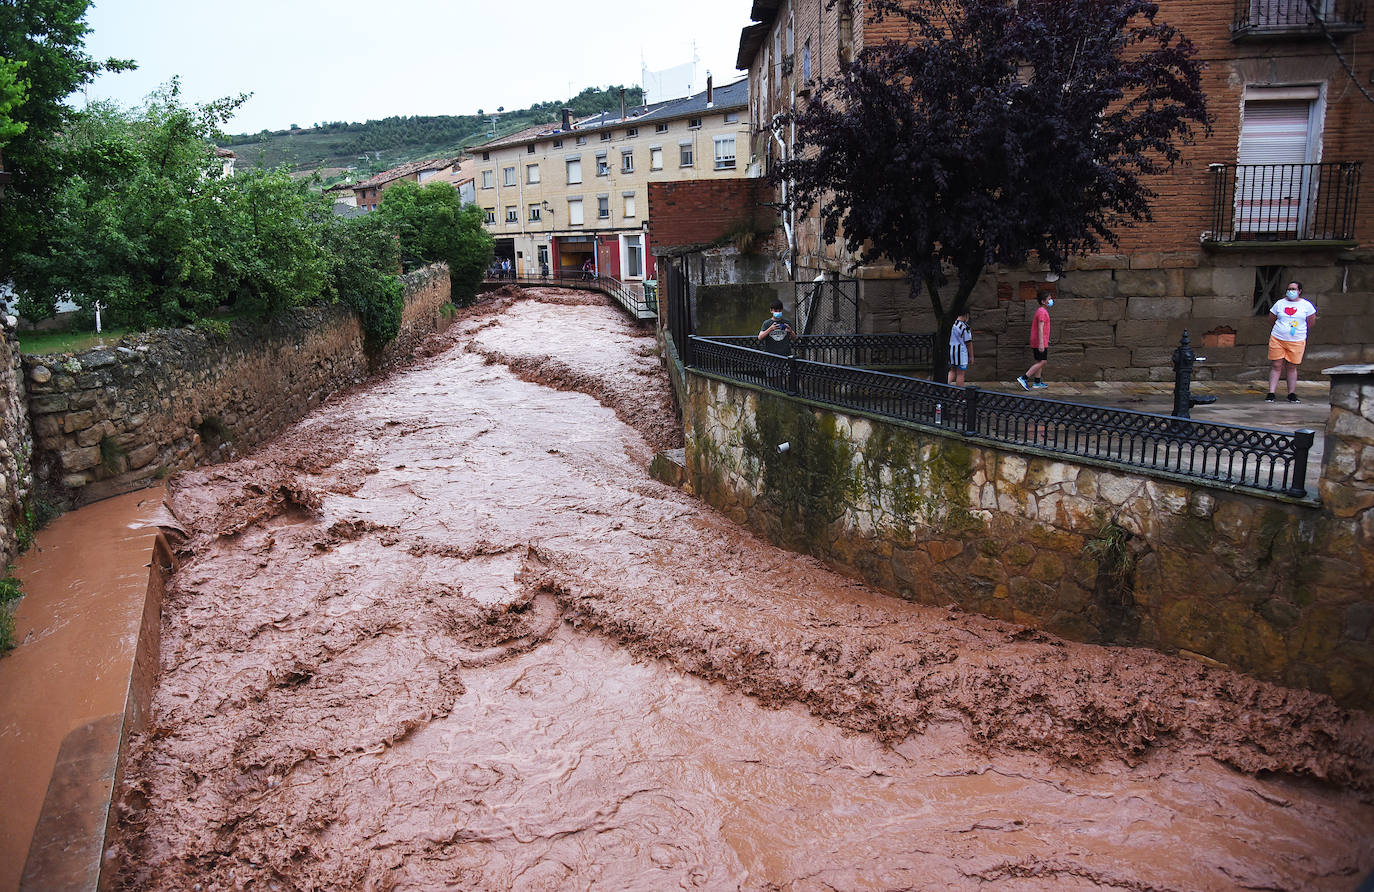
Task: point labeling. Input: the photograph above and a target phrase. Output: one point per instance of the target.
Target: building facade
(574, 195)
(1271, 195)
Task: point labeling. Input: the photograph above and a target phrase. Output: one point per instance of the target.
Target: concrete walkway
(76, 682)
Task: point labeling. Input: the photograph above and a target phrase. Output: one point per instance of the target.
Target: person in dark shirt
(776, 334)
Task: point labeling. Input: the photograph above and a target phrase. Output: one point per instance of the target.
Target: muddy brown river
(447, 633)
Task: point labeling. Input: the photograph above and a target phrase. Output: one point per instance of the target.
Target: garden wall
(1279, 588)
(112, 419)
(16, 445)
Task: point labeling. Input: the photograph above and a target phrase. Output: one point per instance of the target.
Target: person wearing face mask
(1039, 342)
(776, 334)
(1292, 318)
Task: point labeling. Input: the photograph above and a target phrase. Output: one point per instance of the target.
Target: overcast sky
(306, 61)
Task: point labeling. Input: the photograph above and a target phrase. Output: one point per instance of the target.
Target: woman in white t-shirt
(1292, 318)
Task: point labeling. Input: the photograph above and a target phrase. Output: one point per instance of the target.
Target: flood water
(447, 633)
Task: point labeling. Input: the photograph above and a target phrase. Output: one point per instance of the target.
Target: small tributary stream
(448, 633)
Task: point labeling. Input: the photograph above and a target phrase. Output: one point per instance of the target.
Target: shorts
(1040, 355)
(1289, 350)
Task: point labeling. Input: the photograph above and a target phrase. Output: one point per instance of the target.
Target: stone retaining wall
(16, 446)
(112, 419)
(1278, 588)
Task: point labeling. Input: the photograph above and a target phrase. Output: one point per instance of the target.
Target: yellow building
(574, 195)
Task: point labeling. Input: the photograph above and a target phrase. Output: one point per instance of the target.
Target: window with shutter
(1275, 186)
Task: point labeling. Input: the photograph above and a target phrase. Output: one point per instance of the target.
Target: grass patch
(44, 342)
(110, 454)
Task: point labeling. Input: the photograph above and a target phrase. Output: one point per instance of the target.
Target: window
(684, 155)
(656, 158)
(531, 174)
(627, 161)
(574, 212)
(488, 179)
(543, 259)
(629, 204)
(660, 128)
(508, 176)
(631, 132)
(582, 140)
(603, 167)
(732, 117)
(486, 156)
(535, 215)
(529, 149)
(605, 135)
(806, 60)
(1279, 137)
(512, 214)
(693, 123)
(574, 170)
(1270, 282)
(603, 206)
(489, 215)
(725, 153)
(558, 143)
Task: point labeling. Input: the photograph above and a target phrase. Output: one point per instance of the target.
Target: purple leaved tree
(995, 130)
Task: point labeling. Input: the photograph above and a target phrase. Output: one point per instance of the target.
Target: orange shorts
(1289, 350)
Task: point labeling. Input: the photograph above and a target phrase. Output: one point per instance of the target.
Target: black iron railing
(640, 304)
(1272, 461)
(1259, 18)
(865, 351)
(1284, 202)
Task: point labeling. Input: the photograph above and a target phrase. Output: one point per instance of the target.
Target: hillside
(377, 145)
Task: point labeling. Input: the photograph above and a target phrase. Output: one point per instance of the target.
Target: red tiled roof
(405, 170)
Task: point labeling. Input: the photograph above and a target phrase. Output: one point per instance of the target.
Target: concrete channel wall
(1278, 588)
(16, 447)
(114, 419)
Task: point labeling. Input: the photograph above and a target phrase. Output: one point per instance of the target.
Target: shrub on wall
(433, 224)
(363, 253)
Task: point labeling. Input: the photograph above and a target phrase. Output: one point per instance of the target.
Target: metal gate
(827, 305)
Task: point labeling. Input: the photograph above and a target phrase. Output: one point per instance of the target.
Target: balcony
(1276, 205)
(1277, 19)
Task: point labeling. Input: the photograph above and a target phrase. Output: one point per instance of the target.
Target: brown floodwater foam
(447, 633)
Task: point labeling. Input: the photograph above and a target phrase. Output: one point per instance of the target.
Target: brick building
(367, 194)
(564, 195)
(1273, 194)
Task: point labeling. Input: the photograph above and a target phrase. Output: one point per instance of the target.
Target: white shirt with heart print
(1292, 319)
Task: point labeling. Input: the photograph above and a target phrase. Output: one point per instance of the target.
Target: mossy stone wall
(1280, 589)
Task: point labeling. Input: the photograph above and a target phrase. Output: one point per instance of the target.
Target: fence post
(1302, 444)
(791, 373)
(971, 410)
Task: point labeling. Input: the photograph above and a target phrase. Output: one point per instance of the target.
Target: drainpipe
(622, 103)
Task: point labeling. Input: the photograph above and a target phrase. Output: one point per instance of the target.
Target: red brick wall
(698, 212)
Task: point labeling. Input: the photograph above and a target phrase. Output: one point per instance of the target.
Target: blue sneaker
(1021, 379)
(1040, 385)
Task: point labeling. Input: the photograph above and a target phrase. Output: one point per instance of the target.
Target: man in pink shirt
(1039, 342)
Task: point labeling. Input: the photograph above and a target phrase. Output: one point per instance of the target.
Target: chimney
(709, 92)
(622, 103)
(567, 124)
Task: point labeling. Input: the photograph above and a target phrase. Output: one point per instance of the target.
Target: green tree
(48, 38)
(275, 241)
(433, 224)
(13, 89)
(365, 261)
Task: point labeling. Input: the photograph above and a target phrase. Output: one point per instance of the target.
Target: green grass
(10, 593)
(42, 342)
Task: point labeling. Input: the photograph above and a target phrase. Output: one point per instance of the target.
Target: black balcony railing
(1273, 18)
(1226, 454)
(1284, 202)
(865, 351)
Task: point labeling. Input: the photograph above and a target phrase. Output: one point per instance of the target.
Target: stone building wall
(1278, 588)
(112, 419)
(16, 446)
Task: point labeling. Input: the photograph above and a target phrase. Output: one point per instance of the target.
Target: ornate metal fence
(1272, 461)
(870, 351)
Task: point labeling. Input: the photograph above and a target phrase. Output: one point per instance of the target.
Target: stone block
(1142, 283)
(1158, 307)
(40, 374)
(77, 421)
(1099, 261)
(1235, 281)
(1219, 308)
(1087, 334)
(1094, 284)
(91, 436)
(44, 405)
(80, 458)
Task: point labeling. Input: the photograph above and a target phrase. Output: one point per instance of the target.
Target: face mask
(1291, 295)
(1050, 302)
(777, 315)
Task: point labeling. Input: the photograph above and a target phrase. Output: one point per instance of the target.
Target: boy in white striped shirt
(960, 351)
